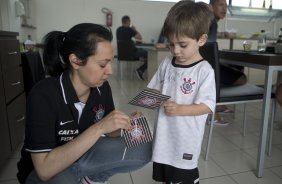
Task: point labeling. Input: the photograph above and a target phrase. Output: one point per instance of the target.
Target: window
(276, 4)
(26, 7)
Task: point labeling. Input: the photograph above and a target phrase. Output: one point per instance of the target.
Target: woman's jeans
(101, 162)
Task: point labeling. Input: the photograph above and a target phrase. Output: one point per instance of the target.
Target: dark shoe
(139, 74)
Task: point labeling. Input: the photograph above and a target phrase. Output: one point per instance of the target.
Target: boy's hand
(170, 108)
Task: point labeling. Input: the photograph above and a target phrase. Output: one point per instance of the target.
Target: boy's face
(185, 49)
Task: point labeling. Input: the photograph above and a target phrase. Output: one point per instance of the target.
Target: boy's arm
(173, 109)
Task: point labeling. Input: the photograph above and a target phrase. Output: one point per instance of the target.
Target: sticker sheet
(149, 99)
(138, 133)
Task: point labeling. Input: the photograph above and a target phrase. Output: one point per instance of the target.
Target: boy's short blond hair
(187, 18)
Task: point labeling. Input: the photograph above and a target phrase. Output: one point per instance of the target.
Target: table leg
(264, 122)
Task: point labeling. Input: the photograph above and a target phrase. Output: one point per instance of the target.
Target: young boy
(189, 80)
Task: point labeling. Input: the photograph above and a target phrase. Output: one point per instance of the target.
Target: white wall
(5, 11)
(246, 27)
(10, 22)
(147, 17)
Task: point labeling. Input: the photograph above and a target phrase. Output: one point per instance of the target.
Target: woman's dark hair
(80, 40)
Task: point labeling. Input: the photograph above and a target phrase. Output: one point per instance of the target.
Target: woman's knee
(66, 176)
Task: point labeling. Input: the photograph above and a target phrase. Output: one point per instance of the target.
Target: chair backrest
(209, 52)
(126, 50)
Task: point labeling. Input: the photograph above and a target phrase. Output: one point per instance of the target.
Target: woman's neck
(82, 91)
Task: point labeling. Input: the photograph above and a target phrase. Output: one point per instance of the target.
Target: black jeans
(143, 54)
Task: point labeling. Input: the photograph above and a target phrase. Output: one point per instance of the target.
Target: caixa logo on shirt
(187, 86)
(67, 135)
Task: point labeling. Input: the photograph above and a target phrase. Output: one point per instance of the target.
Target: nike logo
(63, 123)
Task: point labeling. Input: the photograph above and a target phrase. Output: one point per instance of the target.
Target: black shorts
(168, 174)
(229, 74)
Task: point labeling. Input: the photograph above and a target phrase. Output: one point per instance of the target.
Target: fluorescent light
(259, 11)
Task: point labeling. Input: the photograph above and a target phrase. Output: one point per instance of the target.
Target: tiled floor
(232, 156)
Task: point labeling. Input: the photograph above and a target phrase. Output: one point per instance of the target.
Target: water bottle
(280, 36)
(262, 42)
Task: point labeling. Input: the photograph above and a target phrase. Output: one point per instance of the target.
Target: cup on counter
(247, 45)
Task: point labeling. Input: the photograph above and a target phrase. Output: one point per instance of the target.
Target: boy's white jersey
(178, 139)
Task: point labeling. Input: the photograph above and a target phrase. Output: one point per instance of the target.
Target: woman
(72, 127)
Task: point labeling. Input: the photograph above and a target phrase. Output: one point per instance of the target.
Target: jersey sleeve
(40, 123)
(158, 78)
(207, 91)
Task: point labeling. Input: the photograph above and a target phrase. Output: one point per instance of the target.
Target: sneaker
(226, 111)
(86, 180)
(220, 122)
(222, 109)
(139, 74)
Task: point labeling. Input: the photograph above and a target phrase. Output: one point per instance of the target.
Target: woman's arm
(49, 164)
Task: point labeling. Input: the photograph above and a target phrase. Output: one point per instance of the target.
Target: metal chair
(126, 53)
(226, 95)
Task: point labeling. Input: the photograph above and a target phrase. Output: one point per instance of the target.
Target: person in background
(162, 41)
(190, 82)
(72, 127)
(127, 32)
(229, 74)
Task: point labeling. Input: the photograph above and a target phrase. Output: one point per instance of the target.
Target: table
(155, 57)
(269, 62)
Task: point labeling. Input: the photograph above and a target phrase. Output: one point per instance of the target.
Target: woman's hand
(114, 121)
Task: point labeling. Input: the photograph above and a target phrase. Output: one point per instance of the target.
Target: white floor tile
(143, 175)
(218, 180)
(270, 161)
(277, 171)
(248, 141)
(121, 179)
(277, 137)
(219, 144)
(209, 169)
(279, 146)
(250, 178)
(234, 162)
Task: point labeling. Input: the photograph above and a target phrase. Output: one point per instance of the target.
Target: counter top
(264, 58)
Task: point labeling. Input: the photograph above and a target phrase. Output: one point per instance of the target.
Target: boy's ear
(74, 61)
(203, 39)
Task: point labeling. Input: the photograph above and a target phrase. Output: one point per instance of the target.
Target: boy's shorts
(170, 174)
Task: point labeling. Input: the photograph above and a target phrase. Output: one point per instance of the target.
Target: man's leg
(143, 54)
(228, 76)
